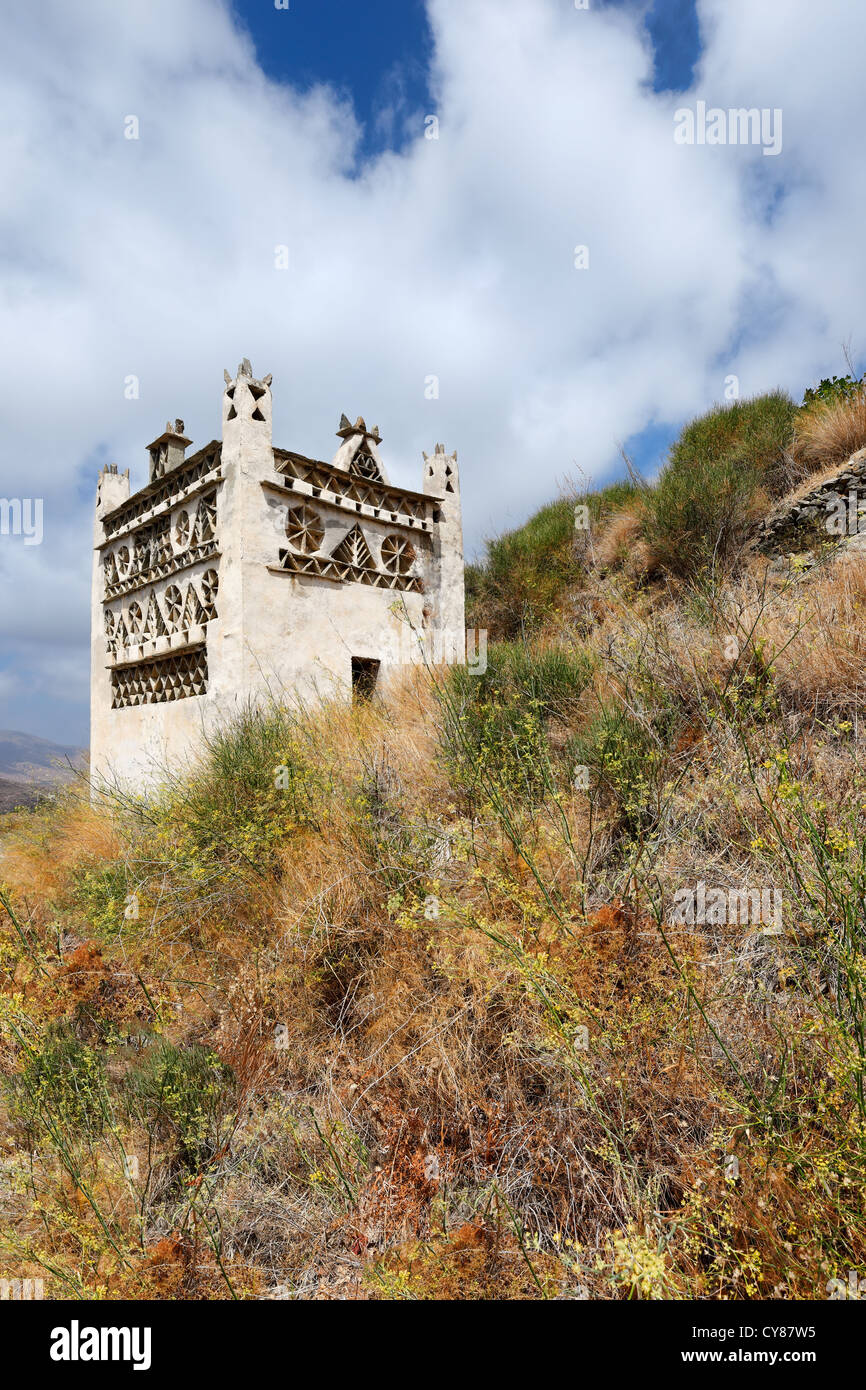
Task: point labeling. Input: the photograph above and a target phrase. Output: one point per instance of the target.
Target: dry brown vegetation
(343, 1042)
(829, 431)
(392, 1003)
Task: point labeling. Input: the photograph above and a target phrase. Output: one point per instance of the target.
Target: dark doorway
(365, 673)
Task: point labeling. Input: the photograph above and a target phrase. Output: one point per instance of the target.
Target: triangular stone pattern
(205, 519)
(363, 465)
(168, 491)
(166, 678)
(154, 623)
(354, 550)
(193, 613)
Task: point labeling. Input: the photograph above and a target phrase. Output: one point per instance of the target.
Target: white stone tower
(247, 573)
(442, 482)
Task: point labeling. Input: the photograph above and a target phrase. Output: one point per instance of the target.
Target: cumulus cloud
(155, 257)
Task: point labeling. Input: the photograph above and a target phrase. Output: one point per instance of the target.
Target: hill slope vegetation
(541, 981)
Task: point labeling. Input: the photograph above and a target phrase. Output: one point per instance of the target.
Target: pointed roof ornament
(359, 452)
(245, 370)
(173, 435)
(347, 430)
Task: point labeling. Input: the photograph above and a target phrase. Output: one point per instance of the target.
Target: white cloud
(156, 257)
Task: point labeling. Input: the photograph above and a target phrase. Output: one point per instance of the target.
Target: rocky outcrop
(831, 513)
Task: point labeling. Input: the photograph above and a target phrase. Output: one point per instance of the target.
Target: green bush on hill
(495, 723)
(526, 574)
(696, 515)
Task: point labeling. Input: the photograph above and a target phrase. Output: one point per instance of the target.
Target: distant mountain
(36, 761)
(13, 794)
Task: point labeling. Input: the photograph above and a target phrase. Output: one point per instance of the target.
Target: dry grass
(814, 634)
(47, 845)
(829, 432)
(621, 544)
(393, 986)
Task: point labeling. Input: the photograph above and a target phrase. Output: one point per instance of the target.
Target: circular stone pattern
(304, 529)
(398, 556)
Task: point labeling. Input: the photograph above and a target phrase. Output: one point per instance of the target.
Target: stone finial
(112, 488)
(245, 370)
(358, 452)
(440, 472)
(439, 449)
(347, 430)
(167, 450)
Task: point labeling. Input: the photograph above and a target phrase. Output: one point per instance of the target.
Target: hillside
(15, 793)
(32, 767)
(36, 761)
(540, 981)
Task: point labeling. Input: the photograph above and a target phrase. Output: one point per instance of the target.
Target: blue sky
(380, 52)
(382, 61)
(676, 38)
(408, 258)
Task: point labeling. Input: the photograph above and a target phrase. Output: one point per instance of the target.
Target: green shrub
(605, 503)
(185, 1096)
(99, 891)
(525, 573)
(832, 389)
(696, 515)
(259, 784)
(62, 1089)
(495, 725)
(625, 762)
